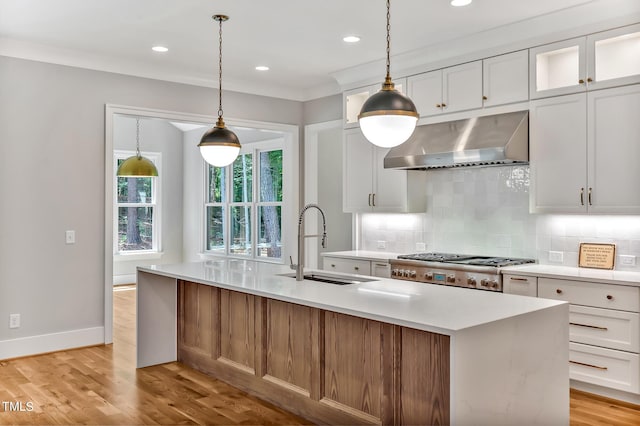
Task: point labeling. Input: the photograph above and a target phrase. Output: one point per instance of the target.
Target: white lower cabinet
(346, 266)
(604, 331)
(604, 367)
(520, 284)
(357, 266)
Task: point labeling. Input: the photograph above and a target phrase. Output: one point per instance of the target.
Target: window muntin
(255, 183)
(136, 210)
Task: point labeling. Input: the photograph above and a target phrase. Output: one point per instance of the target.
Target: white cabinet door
(346, 266)
(519, 284)
(425, 90)
(389, 185)
(558, 154)
(462, 87)
(380, 269)
(614, 150)
(558, 68)
(613, 58)
(358, 161)
(506, 79)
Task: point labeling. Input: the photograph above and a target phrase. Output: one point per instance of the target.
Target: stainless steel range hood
(482, 141)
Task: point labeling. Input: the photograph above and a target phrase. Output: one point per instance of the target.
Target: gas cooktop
(465, 259)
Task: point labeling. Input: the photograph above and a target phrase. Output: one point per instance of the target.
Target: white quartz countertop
(363, 255)
(435, 308)
(573, 273)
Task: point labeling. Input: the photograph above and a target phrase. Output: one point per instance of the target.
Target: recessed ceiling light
(160, 49)
(262, 68)
(460, 2)
(351, 39)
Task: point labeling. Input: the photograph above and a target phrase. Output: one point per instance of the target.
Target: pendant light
(388, 117)
(219, 146)
(137, 165)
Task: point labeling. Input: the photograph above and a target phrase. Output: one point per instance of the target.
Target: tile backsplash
(486, 211)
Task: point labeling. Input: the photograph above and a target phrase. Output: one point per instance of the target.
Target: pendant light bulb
(388, 118)
(137, 165)
(219, 146)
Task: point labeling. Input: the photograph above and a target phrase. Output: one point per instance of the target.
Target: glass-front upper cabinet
(601, 60)
(613, 57)
(352, 100)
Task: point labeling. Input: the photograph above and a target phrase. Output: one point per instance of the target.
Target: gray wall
(330, 191)
(52, 179)
(156, 135)
(323, 109)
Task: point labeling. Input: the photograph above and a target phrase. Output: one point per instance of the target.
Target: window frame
(156, 226)
(287, 203)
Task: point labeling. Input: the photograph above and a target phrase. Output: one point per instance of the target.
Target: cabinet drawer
(604, 327)
(604, 367)
(347, 266)
(609, 296)
(518, 284)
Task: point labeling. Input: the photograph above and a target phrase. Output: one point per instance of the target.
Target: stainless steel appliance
(478, 272)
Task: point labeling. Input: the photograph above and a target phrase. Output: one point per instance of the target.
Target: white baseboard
(44, 343)
(607, 392)
(124, 279)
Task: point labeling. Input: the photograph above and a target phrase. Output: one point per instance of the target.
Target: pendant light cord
(138, 137)
(388, 84)
(220, 71)
(388, 39)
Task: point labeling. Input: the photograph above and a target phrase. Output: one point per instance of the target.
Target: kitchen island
(378, 352)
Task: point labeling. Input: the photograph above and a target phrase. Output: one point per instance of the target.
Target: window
(136, 212)
(244, 204)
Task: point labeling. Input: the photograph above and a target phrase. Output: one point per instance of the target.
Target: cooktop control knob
(413, 274)
(471, 281)
(493, 284)
(484, 283)
(428, 275)
(451, 278)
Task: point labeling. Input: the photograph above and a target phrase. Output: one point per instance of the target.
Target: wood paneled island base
(328, 367)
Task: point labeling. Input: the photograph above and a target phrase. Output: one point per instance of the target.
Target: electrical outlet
(421, 247)
(70, 237)
(556, 256)
(382, 244)
(14, 320)
(627, 260)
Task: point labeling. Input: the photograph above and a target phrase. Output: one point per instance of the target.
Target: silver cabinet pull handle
(582, 196)
(588, 365)
(589, 326)
(518, 279)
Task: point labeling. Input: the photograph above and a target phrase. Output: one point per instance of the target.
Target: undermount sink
(331, 278)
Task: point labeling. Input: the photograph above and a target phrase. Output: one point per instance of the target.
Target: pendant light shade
(219, 146)
(137, 165)
(388, 118)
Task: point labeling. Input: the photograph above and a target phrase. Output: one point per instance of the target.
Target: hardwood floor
(100, 385)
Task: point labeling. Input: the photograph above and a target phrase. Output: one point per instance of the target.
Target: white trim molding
(45, 343)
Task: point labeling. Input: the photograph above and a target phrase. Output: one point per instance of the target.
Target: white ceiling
(301, 41)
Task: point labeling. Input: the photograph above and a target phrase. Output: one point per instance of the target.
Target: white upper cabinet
(462, 87)
(494, 81)
(601, 60)
(369, 187)
(447, 90)
(352, 101)
(613, 57)
(425, 90)
(584, 151)
(558, 154)
(613, 136)
(505, 79)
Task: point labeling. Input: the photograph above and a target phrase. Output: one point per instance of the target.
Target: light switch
(70, 237)
(627, 260)
(556, 256)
